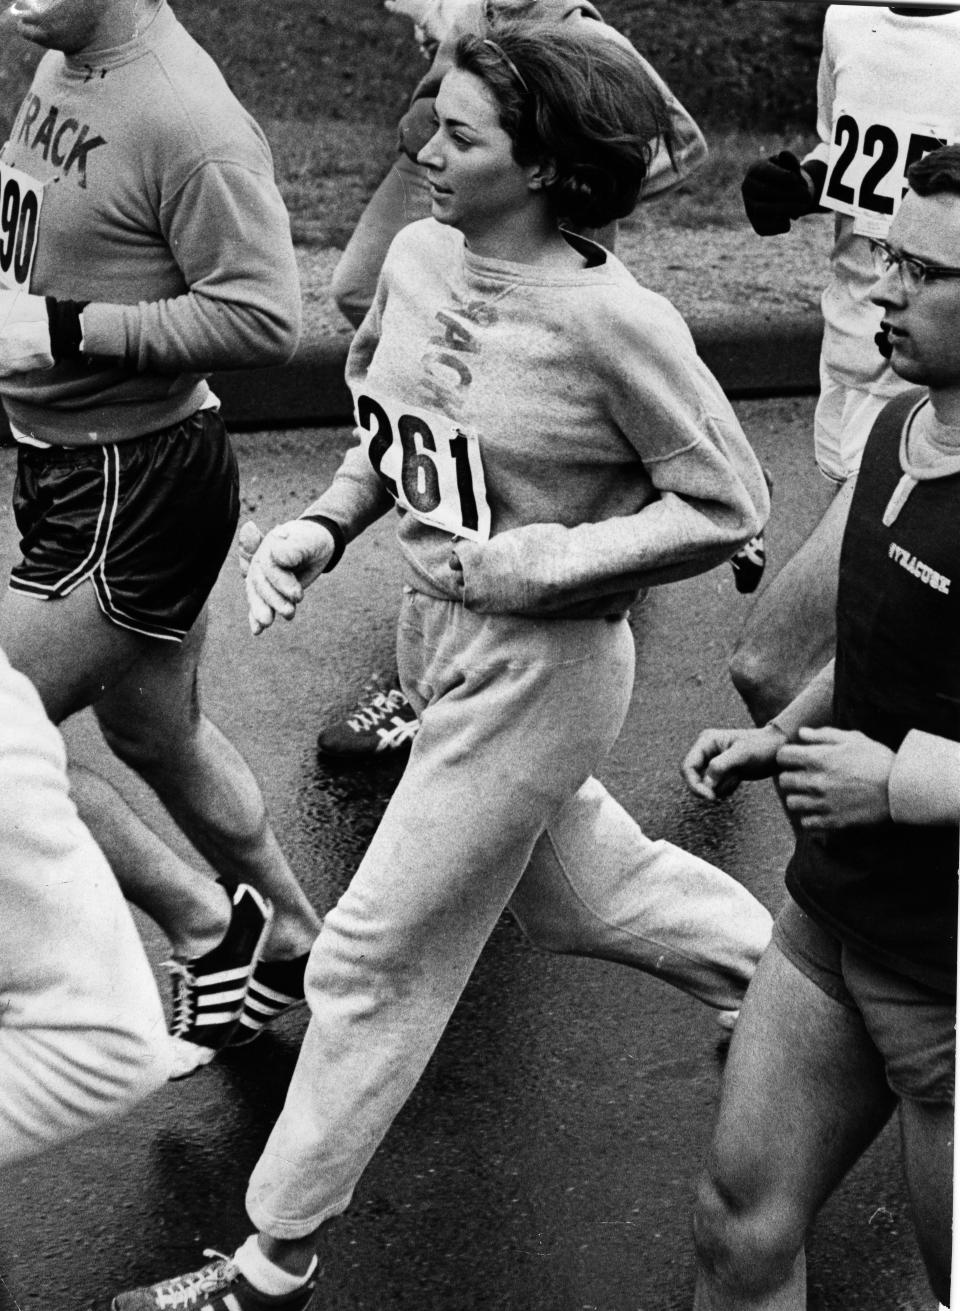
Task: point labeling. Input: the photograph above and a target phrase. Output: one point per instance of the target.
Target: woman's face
(475, 183)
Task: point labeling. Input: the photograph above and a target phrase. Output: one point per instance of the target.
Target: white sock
(265, 1276)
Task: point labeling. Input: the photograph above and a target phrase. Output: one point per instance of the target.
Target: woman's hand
(721, 758)
(279, 566)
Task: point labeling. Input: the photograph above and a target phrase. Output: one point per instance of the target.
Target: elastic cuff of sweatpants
(289, 1230)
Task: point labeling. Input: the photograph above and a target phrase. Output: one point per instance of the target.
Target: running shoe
(276, 987)
(750, 561)
(218, 1286)
(209, 991)
(384, 723)
(748, 564)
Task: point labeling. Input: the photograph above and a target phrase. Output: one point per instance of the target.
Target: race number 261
(429, 464)
(20, 200)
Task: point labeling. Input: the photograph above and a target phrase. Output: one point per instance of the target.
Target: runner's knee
(747, 1247)
(145, 746)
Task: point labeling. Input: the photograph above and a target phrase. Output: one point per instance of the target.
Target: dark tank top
(890, 889)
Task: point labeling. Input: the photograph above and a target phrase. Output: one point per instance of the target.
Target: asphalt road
(547, 1160)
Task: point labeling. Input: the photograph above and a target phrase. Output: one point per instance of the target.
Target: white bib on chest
(429, 463)
(21, 198)
(870, 153)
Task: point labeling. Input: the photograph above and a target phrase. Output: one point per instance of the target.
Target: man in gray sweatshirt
(145, 245)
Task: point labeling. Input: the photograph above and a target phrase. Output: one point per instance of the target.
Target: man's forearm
(811, 708)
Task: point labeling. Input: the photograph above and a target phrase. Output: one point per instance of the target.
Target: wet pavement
(547, 1160)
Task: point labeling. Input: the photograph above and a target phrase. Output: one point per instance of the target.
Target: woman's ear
(542, 175)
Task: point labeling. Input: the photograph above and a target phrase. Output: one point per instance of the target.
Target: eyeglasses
(913, 272)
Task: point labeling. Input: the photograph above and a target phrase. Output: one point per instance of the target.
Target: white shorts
(841, 425)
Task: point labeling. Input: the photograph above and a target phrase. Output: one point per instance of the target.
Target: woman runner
(552, 445)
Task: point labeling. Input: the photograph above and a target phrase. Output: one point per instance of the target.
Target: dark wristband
(66, 331)
(336, 532)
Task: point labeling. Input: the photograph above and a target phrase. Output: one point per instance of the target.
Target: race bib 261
(21, 197)
(428, 463)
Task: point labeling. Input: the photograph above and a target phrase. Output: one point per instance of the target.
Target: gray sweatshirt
(611, 459)
(159, 212)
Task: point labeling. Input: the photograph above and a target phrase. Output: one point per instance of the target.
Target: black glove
(775, 191)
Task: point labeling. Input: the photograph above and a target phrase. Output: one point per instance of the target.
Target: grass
(327, 171)
(732, 62)
(329, 81)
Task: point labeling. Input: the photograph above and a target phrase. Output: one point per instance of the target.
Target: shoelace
(186, 1290)
(380, 705)
(401, 732)
(183, 988)
(754, 551)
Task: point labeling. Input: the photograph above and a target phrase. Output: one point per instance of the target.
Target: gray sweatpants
(496, 807)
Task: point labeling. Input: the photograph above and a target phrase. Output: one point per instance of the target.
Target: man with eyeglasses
(887, 93)
(913, 274)
(851, 1013)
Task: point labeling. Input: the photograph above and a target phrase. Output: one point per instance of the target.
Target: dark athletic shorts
(913, 1027)
(148, 521)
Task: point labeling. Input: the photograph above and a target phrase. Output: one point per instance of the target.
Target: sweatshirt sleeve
(710, 494)
(924, 786)
(356, 497)
(229, 231)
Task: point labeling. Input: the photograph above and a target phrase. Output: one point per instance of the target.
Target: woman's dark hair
(583, 103)
(936, 173)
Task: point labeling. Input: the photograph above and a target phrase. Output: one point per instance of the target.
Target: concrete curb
(756, 358)
(750, 358)
(770, 358)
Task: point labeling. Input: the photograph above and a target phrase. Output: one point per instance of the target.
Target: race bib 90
(869, 159)
(21, 197)
(428, 463)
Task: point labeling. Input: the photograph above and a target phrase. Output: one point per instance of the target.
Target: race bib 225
(869, 159)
